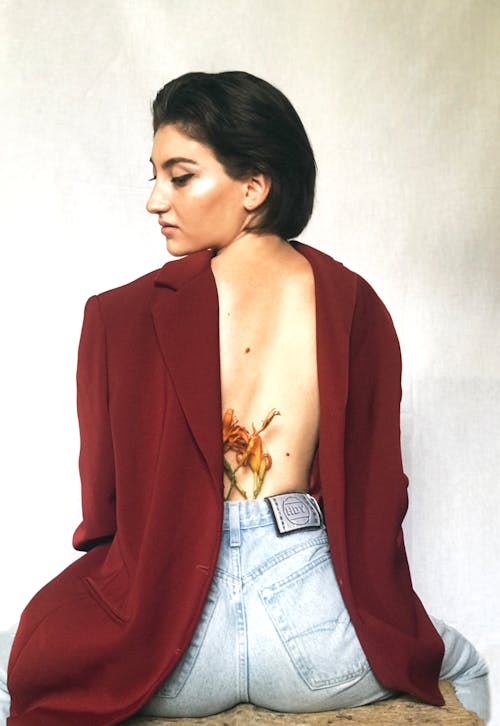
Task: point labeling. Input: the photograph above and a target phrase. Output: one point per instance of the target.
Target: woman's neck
(251, 252)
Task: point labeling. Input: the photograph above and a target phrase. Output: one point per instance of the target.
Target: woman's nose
(158, 200)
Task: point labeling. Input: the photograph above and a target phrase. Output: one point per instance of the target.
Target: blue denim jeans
(275, 632)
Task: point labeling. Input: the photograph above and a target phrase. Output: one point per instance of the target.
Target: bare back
(267, 328)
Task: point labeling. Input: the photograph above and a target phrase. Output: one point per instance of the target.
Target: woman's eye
(153, 178)
(180, 180)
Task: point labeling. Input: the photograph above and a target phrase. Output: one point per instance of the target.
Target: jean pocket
(179, 676)
(310, 617)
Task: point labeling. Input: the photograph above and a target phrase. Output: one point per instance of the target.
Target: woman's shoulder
(348, 289)
(335, 274)
(140, 290)
(119, 303)
(326, 264)
(129, 290)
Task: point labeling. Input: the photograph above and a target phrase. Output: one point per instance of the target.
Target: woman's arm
(96, 462)
(376, 486)
(401, 643)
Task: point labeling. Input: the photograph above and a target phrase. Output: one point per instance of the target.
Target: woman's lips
(168, 229)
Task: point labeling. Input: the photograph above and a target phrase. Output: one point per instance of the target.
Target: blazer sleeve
(96, 460)
(401, 643)
(376, 485)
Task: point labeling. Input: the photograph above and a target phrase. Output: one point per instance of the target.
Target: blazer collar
(176, 273)
(186, 317)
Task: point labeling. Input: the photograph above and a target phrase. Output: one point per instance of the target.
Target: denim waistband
(247, 514)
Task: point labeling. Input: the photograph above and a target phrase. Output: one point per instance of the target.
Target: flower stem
(231, 474)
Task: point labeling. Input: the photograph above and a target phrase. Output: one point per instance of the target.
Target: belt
(295, 510)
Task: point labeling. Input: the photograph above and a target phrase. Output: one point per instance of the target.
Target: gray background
(401, 102)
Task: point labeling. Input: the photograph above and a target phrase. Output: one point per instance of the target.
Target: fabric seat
(399, 711)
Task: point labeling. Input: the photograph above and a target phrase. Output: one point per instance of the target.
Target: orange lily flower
(249, 450)
(234, 436)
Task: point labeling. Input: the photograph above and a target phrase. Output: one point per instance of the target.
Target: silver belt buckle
(295, 510)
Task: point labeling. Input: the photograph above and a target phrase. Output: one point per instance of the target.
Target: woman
(208, 578)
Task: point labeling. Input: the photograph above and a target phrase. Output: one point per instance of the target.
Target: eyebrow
(175, 160)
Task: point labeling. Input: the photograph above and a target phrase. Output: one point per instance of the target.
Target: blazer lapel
(186, 318)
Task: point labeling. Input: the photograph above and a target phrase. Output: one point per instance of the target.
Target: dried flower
(249, 450)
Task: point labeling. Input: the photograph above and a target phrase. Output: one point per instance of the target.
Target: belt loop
(234, 524)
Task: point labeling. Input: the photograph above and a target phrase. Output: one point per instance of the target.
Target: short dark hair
(251, 127)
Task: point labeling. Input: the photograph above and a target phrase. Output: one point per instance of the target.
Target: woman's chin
(177, 248)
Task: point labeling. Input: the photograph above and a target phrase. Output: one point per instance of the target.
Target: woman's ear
(256, 190)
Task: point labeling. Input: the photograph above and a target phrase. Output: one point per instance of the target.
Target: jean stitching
(277, 559)
(172, 688)
(293, 641)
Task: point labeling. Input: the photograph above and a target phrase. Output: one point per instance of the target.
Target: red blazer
(100, 638)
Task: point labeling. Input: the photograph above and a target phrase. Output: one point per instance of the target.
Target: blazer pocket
(111, 592)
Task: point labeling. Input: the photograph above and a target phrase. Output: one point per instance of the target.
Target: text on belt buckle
(295, 510)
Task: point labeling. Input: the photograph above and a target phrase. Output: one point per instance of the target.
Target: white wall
(401, 102)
